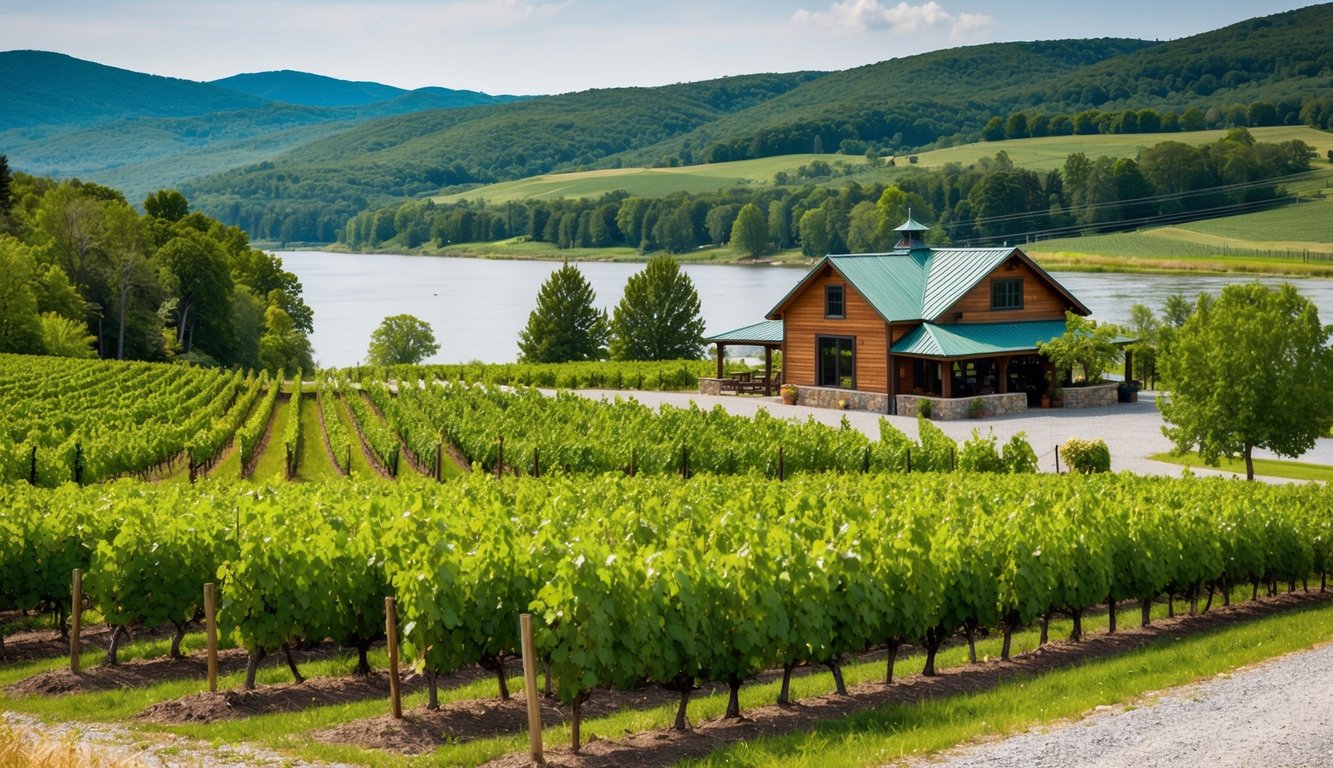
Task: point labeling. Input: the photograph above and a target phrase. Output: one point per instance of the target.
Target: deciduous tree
(401, 340)
(749, 235)
(1251, 369)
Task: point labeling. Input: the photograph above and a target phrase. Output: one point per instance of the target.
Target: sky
(558, 46)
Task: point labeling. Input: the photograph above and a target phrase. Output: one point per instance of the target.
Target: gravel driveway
(1276, 714)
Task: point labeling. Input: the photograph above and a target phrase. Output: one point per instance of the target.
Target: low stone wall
(1094, 396)
(956, 408)
(710, 386)
(829, 397)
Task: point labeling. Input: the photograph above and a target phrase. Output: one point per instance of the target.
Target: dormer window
(1006, 294)
(835, 307)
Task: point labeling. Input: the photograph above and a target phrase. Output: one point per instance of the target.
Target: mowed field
(1296, 239)
(1040, 154)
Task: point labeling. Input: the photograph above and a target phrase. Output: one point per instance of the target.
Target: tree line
(982, 203)
(83, 274)
(1314, 111)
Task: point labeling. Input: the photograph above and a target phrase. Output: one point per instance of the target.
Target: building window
(837, 362)
(1006, 294)
(834, 306)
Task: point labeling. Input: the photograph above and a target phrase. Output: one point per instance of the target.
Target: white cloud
(903, 18)
(970, 26)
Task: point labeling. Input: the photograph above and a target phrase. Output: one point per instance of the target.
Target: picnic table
(748, 383)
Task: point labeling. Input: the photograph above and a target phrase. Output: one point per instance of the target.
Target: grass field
(1040, 154)
(1291, 470)
(1295, 239)
(522, 248)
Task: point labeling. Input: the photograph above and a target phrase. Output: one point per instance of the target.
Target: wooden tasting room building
(881, 331)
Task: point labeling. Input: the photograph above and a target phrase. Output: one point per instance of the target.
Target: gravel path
(154, 750)
(1276, 714)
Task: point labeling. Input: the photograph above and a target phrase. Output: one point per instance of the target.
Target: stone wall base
(846, 399)
(956, 408)
(1094, 396)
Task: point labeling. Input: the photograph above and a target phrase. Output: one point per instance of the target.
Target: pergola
(766, 334)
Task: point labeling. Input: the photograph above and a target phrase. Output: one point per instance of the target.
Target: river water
(477, 307)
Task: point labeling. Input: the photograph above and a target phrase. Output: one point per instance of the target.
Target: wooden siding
(1041, 301)
(805, 321)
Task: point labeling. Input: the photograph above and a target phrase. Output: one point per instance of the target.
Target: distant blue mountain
(305, 89)
(40, 88)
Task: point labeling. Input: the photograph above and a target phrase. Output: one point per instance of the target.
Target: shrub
(1086, 456)
(924, 408)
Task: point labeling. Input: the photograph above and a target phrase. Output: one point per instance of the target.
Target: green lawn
(314, 463)
(1291, 470)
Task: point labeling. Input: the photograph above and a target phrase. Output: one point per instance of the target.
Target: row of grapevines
(339, 442)
(252, 431)
(636, 580)
(419, 436)
(566, 433)
(673, 375)
(214, 436)
(381, 440)
(93, 420)
(291, 436)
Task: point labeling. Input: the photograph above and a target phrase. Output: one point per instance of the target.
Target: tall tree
(19, 327)
(565, 325)
(749, 233)
(1251, 369)
(401, 340)
(195, 266)
(6, 189)
(659, 316)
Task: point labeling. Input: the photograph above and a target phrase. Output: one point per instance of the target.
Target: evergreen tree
(565, 325)
(6, 191)
(659, 317)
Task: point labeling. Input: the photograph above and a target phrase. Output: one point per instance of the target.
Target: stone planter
(1094, 396)
(957, 408)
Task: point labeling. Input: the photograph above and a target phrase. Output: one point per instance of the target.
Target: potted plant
(977, 408)
(1046, 400)
(842, 403)
(1057, 397)
(788, 392)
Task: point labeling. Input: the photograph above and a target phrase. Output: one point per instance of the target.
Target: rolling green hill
(297, 172)
(1042, 154)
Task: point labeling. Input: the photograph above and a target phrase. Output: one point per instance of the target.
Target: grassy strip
(1291, 470)
(272, 463)
(891, 733)
(314, 464)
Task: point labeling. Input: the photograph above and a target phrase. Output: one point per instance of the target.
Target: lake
(478, 306)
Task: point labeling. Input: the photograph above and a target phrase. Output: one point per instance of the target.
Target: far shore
(1060, 261)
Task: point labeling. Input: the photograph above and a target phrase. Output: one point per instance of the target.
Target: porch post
(946, 378)
(768, 371)
(1129, 365)
(1002, 363)
(719, 359)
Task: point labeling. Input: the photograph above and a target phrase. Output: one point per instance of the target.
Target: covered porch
(768, 335)
(993, 368)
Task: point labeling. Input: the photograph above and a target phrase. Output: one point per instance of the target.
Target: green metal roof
(922, 284)
(978, 339)
(763, 332)
(911, 225)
